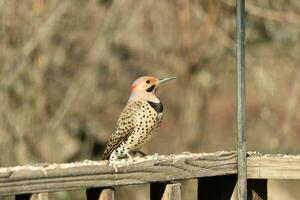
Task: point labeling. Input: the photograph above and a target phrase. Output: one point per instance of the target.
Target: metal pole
(241, 100)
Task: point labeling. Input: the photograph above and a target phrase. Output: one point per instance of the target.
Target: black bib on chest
(158, 107)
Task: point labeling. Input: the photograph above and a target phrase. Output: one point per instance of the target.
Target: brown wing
(124, 127)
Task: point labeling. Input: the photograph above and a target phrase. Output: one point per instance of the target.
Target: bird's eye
(148, 81)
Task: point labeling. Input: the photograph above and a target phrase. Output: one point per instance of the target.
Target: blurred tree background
(66, 69)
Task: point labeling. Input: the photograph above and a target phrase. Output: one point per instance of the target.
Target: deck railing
(216, 174)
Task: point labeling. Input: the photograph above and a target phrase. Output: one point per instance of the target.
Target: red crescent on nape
(132, 87)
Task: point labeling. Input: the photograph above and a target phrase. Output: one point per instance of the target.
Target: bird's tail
(106, 154)
(104, 157)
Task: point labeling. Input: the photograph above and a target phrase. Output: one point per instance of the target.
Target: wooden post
(38, 196)
(100, 194)
(241, 99)
(164, 191)
(217, 187)
(257, 189)
(172, 192)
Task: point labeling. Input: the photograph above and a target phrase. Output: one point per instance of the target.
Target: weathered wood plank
(100, 194)
(172, 192)
(218, 187)
(90, 174)
(273, 167)
(100, 174)
(257, 189)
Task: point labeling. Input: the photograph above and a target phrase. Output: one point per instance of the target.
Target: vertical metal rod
(241, 100)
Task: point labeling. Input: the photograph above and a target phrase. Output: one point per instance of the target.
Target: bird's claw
(130, 158)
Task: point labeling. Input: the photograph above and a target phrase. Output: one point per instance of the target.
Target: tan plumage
(124, 127)
(139, 120)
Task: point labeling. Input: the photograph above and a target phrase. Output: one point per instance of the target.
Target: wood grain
(172, 192)
(273, 167)
(107, 194)
(91, 174)
(78, 176)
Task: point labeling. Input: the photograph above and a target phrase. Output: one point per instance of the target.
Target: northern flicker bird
(139, 120)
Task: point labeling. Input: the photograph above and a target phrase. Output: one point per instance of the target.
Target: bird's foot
(139, 154)
(126, 157)
(130, 157)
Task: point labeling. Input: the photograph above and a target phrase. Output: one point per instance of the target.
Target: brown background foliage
(66, 68)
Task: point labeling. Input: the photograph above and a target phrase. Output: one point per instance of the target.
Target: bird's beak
(163, 80)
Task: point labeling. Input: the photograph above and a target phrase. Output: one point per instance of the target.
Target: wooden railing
(216, 174)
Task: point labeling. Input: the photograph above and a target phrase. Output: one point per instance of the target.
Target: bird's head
(145, 87)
